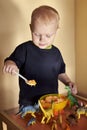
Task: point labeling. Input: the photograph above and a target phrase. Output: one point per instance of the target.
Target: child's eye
(48, 36)
(38, 35)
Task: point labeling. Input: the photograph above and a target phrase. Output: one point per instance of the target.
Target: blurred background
(71, 39)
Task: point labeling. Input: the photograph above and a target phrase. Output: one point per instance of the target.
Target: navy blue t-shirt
(42, 65)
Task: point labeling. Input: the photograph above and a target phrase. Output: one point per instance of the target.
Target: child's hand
(10, 67)
(73, 87)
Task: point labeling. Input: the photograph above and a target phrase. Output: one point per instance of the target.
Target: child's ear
(30, 27)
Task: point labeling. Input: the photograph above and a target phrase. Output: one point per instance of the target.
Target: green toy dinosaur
(72, 99)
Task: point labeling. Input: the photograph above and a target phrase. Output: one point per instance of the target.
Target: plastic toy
(54, 107)
(24, 110)
(82, 111)
(71, 99)
(31, 121)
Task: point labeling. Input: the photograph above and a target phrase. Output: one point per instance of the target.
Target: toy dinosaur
(82, 111)
(47, 114)
(30, 109)
(72, 100)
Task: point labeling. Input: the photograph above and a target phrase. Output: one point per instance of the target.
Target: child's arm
(66, 80)
(10, 66)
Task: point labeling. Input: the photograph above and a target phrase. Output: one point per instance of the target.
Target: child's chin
(42, 47)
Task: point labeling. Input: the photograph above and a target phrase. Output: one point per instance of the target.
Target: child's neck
(49, 47)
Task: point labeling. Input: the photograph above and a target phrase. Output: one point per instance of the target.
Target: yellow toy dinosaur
(47, 114)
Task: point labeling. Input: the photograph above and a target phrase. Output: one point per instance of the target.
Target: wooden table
(7, 119)
(15, 122)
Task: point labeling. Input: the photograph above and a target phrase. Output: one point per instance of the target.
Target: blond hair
(44, 14)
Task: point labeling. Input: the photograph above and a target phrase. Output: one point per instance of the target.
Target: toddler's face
(43, 34)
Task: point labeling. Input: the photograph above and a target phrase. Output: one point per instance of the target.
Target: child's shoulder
(56, 49)
(24, 44)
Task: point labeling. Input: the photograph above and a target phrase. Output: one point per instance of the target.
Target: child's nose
(42, 38)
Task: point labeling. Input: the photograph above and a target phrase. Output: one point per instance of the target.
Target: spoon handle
(20, 76)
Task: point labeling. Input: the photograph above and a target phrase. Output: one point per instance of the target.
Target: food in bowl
(48, 101)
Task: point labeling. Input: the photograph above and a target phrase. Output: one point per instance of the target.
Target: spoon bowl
(29, 82)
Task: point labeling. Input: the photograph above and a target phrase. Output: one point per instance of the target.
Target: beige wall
(81, 46)
(14, 29)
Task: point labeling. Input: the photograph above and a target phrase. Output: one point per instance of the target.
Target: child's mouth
(42, 44)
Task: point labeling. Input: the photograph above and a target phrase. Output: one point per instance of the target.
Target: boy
(39, 59)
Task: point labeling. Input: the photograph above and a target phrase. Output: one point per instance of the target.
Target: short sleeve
(18, 55)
